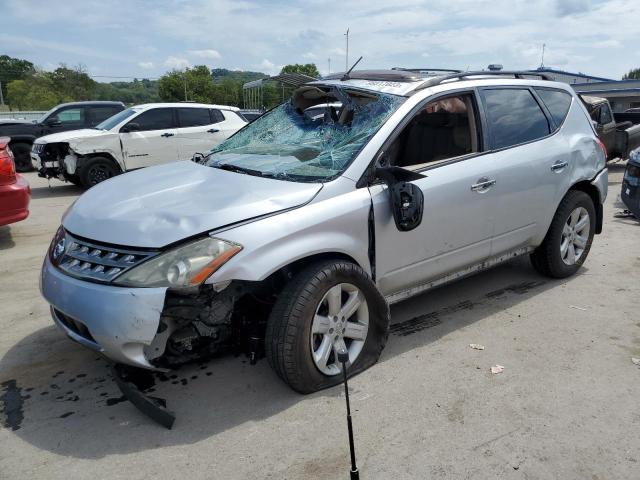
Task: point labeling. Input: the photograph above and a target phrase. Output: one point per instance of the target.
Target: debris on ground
(476, 346)
(497, 369)
(636, 361)
(578, 308)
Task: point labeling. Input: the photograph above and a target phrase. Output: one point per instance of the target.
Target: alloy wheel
(575, 235)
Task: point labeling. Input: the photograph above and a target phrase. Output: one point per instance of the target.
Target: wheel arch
(587, 187)
(83, 159)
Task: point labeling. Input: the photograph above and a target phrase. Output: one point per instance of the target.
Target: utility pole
(329, 61)
(185, 84)
(1, 97)
(544, 45)
(346, 62)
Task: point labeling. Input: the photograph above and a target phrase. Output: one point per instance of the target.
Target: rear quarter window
(514, 117)
(557, 102)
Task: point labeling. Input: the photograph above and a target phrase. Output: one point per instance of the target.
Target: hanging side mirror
(407, 199)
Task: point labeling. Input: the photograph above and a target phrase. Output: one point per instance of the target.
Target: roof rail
(484, 73)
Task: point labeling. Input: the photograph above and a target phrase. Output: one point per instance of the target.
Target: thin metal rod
(355, 475)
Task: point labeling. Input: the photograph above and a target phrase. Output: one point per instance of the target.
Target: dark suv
(67, 116)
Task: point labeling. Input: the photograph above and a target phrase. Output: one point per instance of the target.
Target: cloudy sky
(145, 38)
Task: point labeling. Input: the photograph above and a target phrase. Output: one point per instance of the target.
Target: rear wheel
(96, 170)
(568, 241)
(328, 307)
(22, 156)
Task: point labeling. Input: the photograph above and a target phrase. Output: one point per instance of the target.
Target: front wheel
(568, 241)
(22, 157)
(328, 307)
(96, 170)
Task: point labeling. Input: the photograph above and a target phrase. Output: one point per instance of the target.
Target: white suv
(139, 136)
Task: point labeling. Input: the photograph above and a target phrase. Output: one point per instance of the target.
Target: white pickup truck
(137, 137)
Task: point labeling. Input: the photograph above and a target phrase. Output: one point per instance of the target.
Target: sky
(145, 38)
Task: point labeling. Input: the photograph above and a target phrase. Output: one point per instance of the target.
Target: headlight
(185, 266)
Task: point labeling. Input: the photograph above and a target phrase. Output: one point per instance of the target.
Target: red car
(14, 189)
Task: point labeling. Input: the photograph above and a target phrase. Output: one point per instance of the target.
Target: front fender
(334, 225)
(109, 145)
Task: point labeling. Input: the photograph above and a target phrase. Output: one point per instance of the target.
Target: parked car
(632, 110)
(67, 116)
(630, 192)
(14, 189)
(299, 231)
(620, 132)
(137, 137)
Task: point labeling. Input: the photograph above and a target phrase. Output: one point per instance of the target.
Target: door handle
(483, 185)
(213, 130)
(166, 135)
(556, 167)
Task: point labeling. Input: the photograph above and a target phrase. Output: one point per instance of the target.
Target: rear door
(529, 162)
(200, 129)
(154, 140)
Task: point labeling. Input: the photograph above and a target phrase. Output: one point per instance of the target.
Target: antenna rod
(343, 358)
(346, 74)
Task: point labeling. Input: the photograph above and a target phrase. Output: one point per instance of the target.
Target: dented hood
(75, 135)
(157, 206)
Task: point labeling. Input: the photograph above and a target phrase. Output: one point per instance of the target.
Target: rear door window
(194, 117)
(156, 119)
(514, 117)
(216, 116)
(557, 102)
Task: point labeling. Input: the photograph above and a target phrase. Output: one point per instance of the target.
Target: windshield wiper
(236, 168)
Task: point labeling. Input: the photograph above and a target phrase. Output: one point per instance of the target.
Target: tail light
(7, 167)
(603, 148)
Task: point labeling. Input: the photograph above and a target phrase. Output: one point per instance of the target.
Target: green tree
(33, 93)
(634, 74)
(195, 83)
(13, 69)
(73, 84)
(309, 69)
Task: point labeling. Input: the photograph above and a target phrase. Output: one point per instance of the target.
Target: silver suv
(294, 235)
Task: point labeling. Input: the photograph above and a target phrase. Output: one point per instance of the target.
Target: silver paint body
(279, 222)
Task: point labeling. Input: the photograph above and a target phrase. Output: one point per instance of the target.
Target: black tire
(22, 157)
(547, 258)
(288, 335)
(96, 170)
(75, 179)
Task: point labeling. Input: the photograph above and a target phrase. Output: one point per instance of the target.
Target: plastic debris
(636, 361)
(578, 308)
(497, 369)
(476, 346)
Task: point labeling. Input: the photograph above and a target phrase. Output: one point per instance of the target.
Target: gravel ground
(566, 405)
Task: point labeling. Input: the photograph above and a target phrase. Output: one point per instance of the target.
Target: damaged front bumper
(118, 322)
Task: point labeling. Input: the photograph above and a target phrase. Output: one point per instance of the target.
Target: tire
(22, 156)
(551, 258)
(289, 342)
(96, 170)
(75, 179)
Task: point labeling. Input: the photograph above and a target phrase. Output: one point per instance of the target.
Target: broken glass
(314, 145)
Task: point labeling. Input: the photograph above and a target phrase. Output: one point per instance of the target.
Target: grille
(92, 261)
(37, 147)
(75, 326)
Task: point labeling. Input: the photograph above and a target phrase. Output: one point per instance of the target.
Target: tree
(634, 74)
(33, 93)
(13, 69)
(195, 81)
(309, 69)
(73, 84)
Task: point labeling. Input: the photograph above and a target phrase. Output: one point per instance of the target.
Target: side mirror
(130, 127)
(52, 121)
(407, 200)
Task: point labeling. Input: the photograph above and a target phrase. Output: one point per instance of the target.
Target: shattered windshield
(311, 138)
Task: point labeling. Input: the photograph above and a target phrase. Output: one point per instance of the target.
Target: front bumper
(118, 322)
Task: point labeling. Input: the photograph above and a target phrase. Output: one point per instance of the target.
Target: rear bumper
(14, 201)
(118, 322)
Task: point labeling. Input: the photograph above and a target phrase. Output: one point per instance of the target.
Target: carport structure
(253, 92)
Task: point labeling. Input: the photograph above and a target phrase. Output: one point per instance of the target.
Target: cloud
(309, 55)
(209, 54)
(572, 7)
(269, 67)
(146, 65)
(176, 63)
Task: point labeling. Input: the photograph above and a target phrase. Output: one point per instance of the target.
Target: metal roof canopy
(252, 91)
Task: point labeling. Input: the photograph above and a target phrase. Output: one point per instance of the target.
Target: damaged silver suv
(293, 236)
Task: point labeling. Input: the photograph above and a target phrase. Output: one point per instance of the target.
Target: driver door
(153, 139)
(441, 142)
